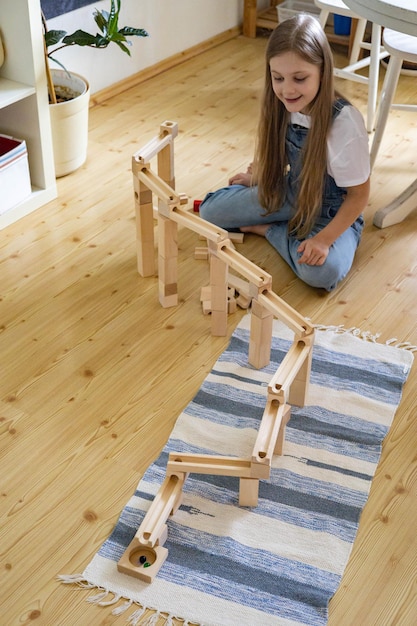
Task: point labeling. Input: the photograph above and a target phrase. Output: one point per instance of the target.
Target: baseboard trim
(131, 81)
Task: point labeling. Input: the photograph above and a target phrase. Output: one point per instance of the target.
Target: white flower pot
(69, 122)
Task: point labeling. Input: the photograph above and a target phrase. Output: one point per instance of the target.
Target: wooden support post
(145, 239)
(248, 492)
(299, 386)
(260, 335)
(166, 154)
(167, 261)
(218, 293)
(162, 145)
(279, 445)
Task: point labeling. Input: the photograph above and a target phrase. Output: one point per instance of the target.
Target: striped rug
(281, 562)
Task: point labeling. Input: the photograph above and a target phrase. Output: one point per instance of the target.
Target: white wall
(173, 26)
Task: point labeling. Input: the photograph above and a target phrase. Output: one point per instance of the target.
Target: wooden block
(167, 237)
(205, 299)
(167, 262)
(260, 470)
(248, 492)
(168, 295)
(218, 284)
(167, 271)
(219, 298)
(201, 254)
(279, 445)
(299, 387)
(236, 237)
(205, 293)
(219, 323)
(231, 305)
(145, 225)
(260, 336)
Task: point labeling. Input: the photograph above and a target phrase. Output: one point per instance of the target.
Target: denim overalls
(333, 195)
(237, 205)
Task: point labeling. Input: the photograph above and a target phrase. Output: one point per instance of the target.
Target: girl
(309, 182)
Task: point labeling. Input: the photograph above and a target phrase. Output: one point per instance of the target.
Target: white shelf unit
(24, 100)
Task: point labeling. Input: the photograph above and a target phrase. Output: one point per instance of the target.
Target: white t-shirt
(347, 147)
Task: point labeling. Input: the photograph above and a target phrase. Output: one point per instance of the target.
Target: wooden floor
(94, 372)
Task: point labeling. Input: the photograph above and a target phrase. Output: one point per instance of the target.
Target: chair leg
(357, 41)
(373, 76)
(387, 96)
(323, 17)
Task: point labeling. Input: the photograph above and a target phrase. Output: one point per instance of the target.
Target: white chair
(377, 52)
(401, 48)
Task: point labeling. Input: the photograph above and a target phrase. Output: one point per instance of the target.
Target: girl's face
(295, 81)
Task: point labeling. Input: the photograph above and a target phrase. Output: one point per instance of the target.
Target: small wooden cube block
(231, 306)
(205, 293)
(201, 254)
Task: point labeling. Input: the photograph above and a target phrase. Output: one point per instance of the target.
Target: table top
(400, 15)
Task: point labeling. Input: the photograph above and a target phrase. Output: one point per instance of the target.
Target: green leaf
(123, 47)
(113, 19)
(81, 38)
(60, 64)
(101, 20)
(53, 37)
(129, 31)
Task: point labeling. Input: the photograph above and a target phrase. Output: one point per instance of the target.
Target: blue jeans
(237, 205)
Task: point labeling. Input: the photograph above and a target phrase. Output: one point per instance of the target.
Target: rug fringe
(122, 608)
(136, 616)
(101, 598)
(76, 579)
(367, 336)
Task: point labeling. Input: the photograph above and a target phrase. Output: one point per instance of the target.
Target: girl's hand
(313, 252)
(242, 178)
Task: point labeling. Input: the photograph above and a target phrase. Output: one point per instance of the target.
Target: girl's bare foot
(257, 229)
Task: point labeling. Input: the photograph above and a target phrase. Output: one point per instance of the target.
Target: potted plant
(69, 93)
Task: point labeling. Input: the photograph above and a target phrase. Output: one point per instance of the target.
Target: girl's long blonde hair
(304, 36)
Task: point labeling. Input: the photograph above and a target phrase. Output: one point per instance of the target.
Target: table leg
(249, 18)
(398, 209)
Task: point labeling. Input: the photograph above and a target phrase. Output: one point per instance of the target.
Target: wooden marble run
(289, 385)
